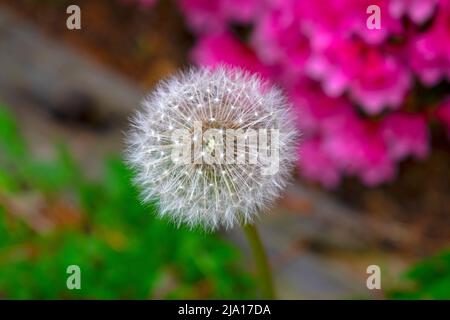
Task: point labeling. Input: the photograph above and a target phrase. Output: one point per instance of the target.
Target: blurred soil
(145, 45)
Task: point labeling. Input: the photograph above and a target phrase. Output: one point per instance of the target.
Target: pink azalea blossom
(242, 11)
(331, 64)
(223, 48)
(375, 78)
(316, 110)
(358, 148)
(212, 16)
(430, 53)
(418, 11)
(279, 41)
(384, 83)
(326, 20)
(406, 134)
(203, 15)
(316, 165)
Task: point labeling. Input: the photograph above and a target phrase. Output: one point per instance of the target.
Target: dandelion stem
(261, 261)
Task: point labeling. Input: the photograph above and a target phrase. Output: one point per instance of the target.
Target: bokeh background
(371, 187)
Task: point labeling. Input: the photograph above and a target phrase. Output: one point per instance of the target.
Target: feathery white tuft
(209, 195)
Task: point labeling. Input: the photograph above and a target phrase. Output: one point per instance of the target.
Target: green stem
(261, 261)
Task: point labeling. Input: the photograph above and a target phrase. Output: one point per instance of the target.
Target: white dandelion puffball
(213, 146)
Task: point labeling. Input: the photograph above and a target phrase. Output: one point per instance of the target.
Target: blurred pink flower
(203, 15)
(326, 20)
(417, 10)
(375, 77)
(316, 110)
(443, 114)
(212, 50)
(383, 83)
(406, 134)
(242, 11)
(357, 147)
(278, 40)
(212, 16)
(331, 64)
(430, 53)
(316, 165)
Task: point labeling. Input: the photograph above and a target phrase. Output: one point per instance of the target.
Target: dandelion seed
(210, 195)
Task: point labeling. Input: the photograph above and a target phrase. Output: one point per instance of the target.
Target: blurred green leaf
(122, 249)
(428, 279)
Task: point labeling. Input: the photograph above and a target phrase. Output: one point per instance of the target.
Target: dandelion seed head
(210, 195)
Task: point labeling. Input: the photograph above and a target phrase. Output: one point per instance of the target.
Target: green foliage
(428, 279)
(122, 249)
